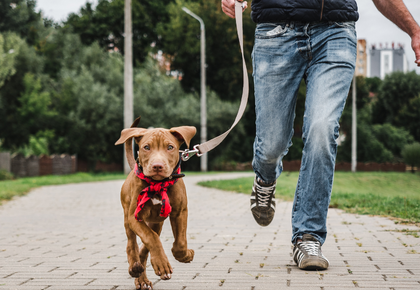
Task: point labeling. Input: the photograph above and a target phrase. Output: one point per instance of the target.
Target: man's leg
(328, 77)
(278, 70)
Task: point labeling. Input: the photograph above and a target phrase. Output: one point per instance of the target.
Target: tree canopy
(398, 102)
(105, 24)
(61, 84)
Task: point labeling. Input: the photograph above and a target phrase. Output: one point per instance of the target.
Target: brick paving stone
(71, 237)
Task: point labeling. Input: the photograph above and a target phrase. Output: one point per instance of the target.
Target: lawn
(20, 186)
(378, 193)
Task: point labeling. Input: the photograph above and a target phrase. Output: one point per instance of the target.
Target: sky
(372, 25)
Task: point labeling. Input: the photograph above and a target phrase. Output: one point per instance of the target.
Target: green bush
(392, 138)
(369, 148)
(411, 155)
(5, 175)
(38, 145)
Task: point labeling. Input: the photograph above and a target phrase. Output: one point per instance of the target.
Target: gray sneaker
(307, 254)
(263, 203)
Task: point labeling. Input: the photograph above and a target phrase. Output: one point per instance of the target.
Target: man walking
(315, 41)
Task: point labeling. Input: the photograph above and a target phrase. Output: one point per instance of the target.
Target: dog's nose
(157, 166)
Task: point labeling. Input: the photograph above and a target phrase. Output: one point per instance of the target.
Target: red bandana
(155, 187)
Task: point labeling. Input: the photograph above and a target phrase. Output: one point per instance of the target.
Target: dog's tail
(127, 136)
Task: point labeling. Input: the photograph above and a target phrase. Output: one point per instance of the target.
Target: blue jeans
(324, 54)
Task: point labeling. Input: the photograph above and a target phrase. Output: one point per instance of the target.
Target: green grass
(21, 186)
(17, 187)
(377, 193)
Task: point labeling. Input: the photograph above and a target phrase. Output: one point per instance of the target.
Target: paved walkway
(72, 237)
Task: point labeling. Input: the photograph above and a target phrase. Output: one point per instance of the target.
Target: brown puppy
(158, 159)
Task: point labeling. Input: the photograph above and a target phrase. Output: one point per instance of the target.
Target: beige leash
(200, 149)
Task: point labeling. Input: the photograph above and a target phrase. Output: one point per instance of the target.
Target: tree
(395, 93)
(398, 102)
(105, 25)
(411, 155)
(10, 44)
(156, 26)
(409, 117)
(19, 16)
(35, 108)
(375, 143)
(161, 102)
(373, 84)
(378, 140)
(180, 38)
(25, 61)
(369, 148)
(362, 100)
(391, 137)
(38, 145)
(181, 45)
(88, 97)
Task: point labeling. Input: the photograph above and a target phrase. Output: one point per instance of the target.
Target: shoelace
(264, 194)
(311, 247)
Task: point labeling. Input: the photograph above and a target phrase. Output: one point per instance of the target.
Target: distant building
(383, 61)
(361, 61)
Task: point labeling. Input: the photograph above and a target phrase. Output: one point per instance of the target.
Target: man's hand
(228, 6)
(397, 12)
(415, 44)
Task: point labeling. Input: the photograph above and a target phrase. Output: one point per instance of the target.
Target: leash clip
(187, 154)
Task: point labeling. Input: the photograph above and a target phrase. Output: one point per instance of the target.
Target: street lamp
(128, 74)
(354, 129)
(203, 160)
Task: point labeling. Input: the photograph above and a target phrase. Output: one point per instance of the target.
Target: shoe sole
(257, 211)
(314, 263)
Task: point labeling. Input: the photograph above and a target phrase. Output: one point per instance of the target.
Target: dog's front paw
(161, 266)
(136, 270)
(184, 256)
(142, 283)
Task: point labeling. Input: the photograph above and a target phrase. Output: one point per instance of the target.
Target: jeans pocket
(270, 30)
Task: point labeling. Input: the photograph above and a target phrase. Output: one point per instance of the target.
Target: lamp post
(128, 74)
(354, 129)
(203, 160)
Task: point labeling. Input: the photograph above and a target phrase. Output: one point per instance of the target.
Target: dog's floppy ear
(184, 133)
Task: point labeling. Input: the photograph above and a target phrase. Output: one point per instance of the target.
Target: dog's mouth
(157, 172)
(158, 176)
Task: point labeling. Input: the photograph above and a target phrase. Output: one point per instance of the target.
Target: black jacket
(272, 11)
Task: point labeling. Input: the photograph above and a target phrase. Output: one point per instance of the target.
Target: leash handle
(211, 144)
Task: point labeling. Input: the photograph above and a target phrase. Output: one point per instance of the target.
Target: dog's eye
(147, 147)
(170, 147)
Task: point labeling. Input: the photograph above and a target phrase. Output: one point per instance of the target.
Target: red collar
(156, 187)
